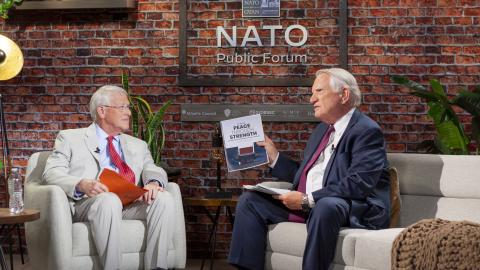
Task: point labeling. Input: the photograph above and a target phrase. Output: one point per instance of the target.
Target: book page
(267, 190)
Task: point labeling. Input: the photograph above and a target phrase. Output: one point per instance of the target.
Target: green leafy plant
(7, 5)
(146, 124)
(451, 137)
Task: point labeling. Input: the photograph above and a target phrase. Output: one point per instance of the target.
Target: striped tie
(122, 167)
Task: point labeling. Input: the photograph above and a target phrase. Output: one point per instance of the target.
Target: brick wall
(68, 54)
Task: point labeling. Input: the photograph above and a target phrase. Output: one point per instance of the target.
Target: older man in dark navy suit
(343, 180)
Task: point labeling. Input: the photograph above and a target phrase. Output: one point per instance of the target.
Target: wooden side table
(11, 222)
(213, 202)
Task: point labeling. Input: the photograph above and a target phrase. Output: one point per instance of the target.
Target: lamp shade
(11, 58)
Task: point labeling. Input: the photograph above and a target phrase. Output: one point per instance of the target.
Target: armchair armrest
(49, 238)
(179, 239)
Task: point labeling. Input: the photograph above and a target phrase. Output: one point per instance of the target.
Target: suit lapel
(91, 141)
(317, 136)
(353, 121)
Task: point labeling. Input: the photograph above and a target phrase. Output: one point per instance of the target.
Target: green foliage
(7, 5)
(146, 124)
(450, 137)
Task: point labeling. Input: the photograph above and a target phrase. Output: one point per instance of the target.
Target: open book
(125, 190)
(268, 190)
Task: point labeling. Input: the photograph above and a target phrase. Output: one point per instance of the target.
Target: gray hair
(340, 78)
(102, 97)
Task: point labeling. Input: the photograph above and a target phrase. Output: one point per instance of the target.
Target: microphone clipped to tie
(97, 150)
(332, 149)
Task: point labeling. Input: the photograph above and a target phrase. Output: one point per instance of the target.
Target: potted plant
(451, 137)
(148, 125)
(7, 5)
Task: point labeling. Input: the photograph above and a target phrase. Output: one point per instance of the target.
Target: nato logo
(260, 8)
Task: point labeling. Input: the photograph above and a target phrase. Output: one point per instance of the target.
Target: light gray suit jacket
(75, 158)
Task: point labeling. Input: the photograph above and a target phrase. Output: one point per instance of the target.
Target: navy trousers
(255, 211)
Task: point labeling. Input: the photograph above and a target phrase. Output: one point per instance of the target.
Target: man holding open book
(75, 165)
(343, 180)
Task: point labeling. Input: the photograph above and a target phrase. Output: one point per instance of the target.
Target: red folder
(125, 190)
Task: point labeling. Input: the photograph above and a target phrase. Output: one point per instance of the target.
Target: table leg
(2, 255)
(20, 243)
(212, 235)
(2, 259)
(6, 232)
(215, 227)
(230, 216)
(11, 251)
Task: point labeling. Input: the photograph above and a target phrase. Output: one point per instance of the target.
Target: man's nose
(313, 99)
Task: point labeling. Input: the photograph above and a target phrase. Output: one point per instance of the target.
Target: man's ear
(345, 96)
(101, 112)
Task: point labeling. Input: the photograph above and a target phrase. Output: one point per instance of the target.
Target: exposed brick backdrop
(68, 54)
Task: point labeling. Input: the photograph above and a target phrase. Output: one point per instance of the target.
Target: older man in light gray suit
(78, 158)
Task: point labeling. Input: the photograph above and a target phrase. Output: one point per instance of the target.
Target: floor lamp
(11, 63)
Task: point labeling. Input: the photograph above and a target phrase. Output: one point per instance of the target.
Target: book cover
(125, 190)
(239, 139)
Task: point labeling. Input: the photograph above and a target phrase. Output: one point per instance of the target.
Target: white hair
(102, 97)
(339, 79)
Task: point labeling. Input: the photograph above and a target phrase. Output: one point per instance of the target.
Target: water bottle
(15, 190)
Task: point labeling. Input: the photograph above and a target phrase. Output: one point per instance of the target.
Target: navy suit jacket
(357, 171)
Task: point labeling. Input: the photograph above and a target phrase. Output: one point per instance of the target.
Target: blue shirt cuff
(77, 194)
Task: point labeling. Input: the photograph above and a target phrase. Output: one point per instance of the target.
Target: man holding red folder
(76, 162)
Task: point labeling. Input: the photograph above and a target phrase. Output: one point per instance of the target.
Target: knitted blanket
(436, 244)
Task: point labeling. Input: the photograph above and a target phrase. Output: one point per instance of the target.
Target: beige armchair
(55, 242)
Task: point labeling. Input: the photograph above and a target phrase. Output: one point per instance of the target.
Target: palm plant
(451, 137)
(146, 124)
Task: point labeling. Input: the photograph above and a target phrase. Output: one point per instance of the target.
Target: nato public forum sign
(260, 8)
(245, 51)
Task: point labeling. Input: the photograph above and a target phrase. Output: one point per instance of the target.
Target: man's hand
(292, 200)
(153, 188)
(272, 151)
(90, 187)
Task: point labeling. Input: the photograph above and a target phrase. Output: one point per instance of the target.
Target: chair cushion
(289, 238)
(395, 201)
(132, 238)
(373, 249)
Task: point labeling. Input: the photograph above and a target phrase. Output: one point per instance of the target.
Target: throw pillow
(395, 200)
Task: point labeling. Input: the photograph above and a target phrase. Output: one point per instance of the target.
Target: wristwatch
(305, 204)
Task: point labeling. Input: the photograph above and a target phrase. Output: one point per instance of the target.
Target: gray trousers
(104, 213)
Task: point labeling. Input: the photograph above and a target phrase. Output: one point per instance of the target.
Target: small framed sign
(260, 8)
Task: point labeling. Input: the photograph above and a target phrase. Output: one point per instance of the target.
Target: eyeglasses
(120, 107)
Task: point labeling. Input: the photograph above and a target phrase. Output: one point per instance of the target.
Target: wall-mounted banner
(270, 113)
(260, 8)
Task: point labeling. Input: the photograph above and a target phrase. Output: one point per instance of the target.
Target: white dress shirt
(105, 160)
(316, 173)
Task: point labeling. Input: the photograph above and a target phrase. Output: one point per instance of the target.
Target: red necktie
(122, 167)
(302, 185)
